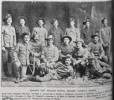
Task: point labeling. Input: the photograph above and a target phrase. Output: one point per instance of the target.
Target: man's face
(87, 24)
(40, 22)
(26, 38)
(96, 39)
(79, 45)
(36, 37)
(66, 40)
(50, 41)
(105, 22)
(67, 61)
(22, 21)
(9, 20)
(56, 23)
(72, 23)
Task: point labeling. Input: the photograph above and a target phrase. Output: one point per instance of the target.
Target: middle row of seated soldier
(50, 59)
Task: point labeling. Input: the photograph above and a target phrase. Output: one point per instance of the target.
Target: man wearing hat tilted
(21, 28)
(66, 46)
(80, 56)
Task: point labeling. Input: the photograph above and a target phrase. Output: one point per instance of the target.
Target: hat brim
(22, 17)
(48, 39)
(94, 36)
(66, 37)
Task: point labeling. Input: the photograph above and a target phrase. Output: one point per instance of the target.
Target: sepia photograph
(56, 44)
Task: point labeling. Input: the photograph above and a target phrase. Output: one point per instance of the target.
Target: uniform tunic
(23, 50)
(73, 33)
(105, 35)
(19, 32)
(8, 36)
(57, 34)
(51, 54)
(42, 32)
(36, 48)
(66, 49)
(86, 34)
(97, 49)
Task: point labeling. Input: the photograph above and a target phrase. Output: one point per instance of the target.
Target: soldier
(80, 56)
(96, 48)
(66, 47)
(21, 28)
(50, 53)
(72, 31)
(36, 48)
(21, 57)
(105, 37)
(61, 71)
(57, 32)
(8, 43)
(86, 31)
(41, 31)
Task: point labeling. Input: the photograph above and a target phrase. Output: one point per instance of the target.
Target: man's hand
(3, 49)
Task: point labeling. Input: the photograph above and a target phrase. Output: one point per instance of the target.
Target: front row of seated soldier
(51, 63)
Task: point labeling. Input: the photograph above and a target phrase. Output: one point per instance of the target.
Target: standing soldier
(41, 31)
(21, 28)
(57, 33)
(8, 43)
(72, 31)
(105, 37)
(86, 31)
(21, 57)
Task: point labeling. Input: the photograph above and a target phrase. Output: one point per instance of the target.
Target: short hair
(37, 21)
(53, 20)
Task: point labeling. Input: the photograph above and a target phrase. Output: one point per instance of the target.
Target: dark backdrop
(60, 10)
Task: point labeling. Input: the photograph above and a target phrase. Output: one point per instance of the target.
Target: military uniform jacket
(8, 36)
(23, 50)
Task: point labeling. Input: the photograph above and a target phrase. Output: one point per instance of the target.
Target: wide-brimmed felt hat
(50, 37)
(22, 17)
(66, 36)
(94, 35)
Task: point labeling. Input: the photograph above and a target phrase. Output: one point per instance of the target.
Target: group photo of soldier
(40, 54)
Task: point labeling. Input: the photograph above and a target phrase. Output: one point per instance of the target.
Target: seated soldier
(94, 70)
(80, 56)
(96, 48)
(36, 48)
(21, 58)
(61, 71)
(66, 48)
(50, 54)
(100, 60)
